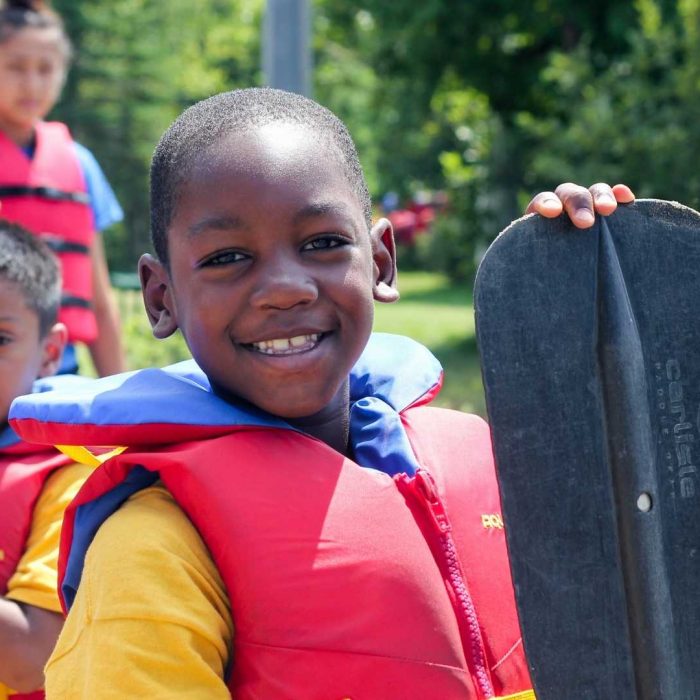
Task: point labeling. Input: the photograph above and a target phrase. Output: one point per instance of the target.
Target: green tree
(637, 121)
(138, 63)
(501, 99)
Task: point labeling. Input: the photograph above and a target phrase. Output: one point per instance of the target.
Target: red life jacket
(344, 581)
(47, 194)
(24, 469)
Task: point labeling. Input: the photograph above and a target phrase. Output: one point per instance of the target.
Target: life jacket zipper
(422, 491)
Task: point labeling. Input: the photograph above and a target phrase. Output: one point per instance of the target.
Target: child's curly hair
(27, 262)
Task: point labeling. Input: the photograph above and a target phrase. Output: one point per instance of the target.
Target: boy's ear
(53, 344)
(384, 254)
(155, 287)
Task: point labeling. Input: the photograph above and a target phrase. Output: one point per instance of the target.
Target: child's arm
(151, 618)
(27, 636)
(106, 352)
(579, 203)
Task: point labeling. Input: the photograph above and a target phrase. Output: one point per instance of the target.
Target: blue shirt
(105, 207)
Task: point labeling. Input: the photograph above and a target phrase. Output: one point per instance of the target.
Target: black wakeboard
(590, 349)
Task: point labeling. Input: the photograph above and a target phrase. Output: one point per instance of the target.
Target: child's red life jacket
(47, 194)
(24, 469)
(386, 576)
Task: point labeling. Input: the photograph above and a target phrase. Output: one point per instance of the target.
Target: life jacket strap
(45, 192)
(59, 245)
(71, 300)
(83, 455)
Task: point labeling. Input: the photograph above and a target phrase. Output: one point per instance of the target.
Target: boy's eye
(225, 257)
(5, 339)
(331, 240)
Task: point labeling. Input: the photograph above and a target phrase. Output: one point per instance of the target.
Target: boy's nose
(283, 286)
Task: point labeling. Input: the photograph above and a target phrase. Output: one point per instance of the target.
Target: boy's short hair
(27, 262)
(201, 126)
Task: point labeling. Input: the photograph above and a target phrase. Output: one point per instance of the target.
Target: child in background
(52, 185)
(292, 520)
(36, 483)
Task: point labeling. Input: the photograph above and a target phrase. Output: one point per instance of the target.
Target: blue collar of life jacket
(392, 374)
(9, 440)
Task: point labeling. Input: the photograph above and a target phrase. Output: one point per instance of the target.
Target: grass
(440, 316)
(430, 310)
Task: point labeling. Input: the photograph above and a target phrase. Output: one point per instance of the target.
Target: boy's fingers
(545, 203)
(578, 204)
(604, 199)
(623, 194)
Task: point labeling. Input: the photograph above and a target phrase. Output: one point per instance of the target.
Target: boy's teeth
(285, 346)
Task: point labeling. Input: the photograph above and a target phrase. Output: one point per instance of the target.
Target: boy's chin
(306, 412)
(299, 407)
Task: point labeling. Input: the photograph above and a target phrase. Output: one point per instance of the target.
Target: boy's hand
(579, 203)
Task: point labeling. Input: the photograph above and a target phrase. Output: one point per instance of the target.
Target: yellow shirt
(151, 618)
(34, 580)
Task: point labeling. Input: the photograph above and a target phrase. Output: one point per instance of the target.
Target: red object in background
(405, 225)
(425, 215)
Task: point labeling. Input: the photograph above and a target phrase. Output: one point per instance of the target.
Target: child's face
(32, 69)
(272, 272)
(24, 356)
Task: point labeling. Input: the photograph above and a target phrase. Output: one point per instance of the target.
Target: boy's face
(24, 356)
(272, 272)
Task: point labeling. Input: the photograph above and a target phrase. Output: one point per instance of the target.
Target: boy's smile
(288, 346)
(273, 273)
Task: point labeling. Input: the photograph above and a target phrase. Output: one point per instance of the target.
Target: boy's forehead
(14, 301)
(278, 155)
(266, 148)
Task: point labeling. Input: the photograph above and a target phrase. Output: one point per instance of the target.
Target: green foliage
(495, 101)
(439, 314)
(138, 64)
(346, 83)
(488, 100)
(636, 121)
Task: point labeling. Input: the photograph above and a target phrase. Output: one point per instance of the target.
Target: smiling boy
(292, 521)
(268, 272)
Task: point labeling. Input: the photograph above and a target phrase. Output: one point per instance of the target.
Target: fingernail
(585, 216)
(605, 199)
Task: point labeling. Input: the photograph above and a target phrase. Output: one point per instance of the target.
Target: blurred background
(461, 111)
